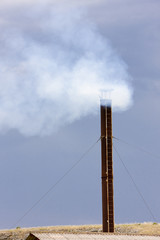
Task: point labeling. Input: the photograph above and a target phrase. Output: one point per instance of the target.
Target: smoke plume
(53, 66)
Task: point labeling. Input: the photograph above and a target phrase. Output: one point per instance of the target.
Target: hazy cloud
(53, 66)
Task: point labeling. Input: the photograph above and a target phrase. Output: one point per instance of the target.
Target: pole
(107, 168)
(105, 220)
(110, 168)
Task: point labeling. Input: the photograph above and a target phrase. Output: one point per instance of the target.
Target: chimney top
(106, 102)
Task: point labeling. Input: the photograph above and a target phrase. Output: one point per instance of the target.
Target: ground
(137, 228)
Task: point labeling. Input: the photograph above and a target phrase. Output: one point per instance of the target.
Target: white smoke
(53, 66)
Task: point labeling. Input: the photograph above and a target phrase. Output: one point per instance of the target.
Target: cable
(136, 187)
(139, 148)
(55, 184)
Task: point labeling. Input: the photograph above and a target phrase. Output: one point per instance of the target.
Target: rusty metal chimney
(107, 167)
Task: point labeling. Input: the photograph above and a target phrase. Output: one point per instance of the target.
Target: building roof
(56, 236)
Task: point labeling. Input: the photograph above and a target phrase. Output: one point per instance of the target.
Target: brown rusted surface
(107, 169)
(105, 226)
(110, 168)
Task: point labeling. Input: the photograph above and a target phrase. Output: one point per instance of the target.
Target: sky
(56, 58)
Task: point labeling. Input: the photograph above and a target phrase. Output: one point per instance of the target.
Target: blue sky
(30, 164)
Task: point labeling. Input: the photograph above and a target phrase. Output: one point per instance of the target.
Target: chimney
(107, 167)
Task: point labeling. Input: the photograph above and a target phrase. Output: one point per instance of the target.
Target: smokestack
(107, 167)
